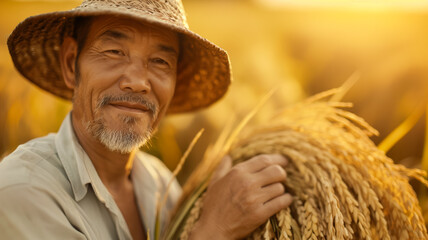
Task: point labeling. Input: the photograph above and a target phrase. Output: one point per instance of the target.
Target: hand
(241, 198)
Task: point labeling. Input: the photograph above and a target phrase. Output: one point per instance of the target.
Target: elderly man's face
(126, 76)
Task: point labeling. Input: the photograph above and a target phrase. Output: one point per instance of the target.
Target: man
(125, 65)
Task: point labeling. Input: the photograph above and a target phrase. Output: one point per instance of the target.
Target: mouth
(130, 107)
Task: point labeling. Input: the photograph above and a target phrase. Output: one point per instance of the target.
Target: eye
(115, 52)
(160, 62)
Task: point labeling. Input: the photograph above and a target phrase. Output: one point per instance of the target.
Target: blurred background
(300, 47)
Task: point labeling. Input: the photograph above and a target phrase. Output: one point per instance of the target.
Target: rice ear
(344, 187)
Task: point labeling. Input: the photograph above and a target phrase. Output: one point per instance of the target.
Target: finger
(262, 161)
(271, 191)
(271, 174)
(222, 169)
(276, 204)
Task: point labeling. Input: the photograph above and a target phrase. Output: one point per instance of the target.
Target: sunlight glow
(373, 4)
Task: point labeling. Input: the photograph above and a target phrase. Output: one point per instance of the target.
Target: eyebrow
(115, 35)
(167, 49)
(122, 36)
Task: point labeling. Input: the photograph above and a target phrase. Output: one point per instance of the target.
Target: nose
(136, 78)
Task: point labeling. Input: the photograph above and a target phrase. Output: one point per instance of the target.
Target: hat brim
(203, 74)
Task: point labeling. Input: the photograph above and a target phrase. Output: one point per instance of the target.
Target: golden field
(300, 47)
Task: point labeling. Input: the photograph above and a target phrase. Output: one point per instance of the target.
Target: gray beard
(122, 141)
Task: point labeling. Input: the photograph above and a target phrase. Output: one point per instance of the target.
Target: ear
(68, 56)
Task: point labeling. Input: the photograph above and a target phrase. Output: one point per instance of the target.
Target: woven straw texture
(343, 186)
(203, 71)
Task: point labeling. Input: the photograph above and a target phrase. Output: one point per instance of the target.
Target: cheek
(101, 75)
(83, 101)
(168, 91)
(88, 93)
(163, 85)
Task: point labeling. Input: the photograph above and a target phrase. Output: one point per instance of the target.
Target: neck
(114, 168)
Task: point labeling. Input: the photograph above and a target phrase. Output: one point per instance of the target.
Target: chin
(129, 136)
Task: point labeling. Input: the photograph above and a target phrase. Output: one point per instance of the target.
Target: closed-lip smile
(130, 106)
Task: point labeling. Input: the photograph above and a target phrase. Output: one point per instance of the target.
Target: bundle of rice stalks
(344, 187)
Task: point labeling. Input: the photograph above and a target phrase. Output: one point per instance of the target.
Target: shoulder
(27, 200)
(20, 195)
(34, 194)
(30, 211)
(30, 163)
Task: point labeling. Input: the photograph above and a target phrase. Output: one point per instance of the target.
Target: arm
(241, 198)
(30, 213)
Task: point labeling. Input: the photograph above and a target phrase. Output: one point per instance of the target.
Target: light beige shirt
(49, 189)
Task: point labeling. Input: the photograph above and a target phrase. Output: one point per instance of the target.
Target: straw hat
(203, 74)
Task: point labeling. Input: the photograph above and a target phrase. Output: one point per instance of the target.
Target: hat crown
(168, 11)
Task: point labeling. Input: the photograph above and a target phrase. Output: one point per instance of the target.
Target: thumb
(222, 169)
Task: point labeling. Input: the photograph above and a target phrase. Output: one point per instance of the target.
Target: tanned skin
(123, 56)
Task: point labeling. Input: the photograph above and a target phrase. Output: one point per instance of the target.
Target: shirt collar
(72, 157)
(81, 172)
(78, 166)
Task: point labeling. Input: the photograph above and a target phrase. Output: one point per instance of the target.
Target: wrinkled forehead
(131, 29)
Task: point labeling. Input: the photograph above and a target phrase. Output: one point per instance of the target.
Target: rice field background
(299, 47)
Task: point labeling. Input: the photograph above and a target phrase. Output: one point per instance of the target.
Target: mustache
(129, 97)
